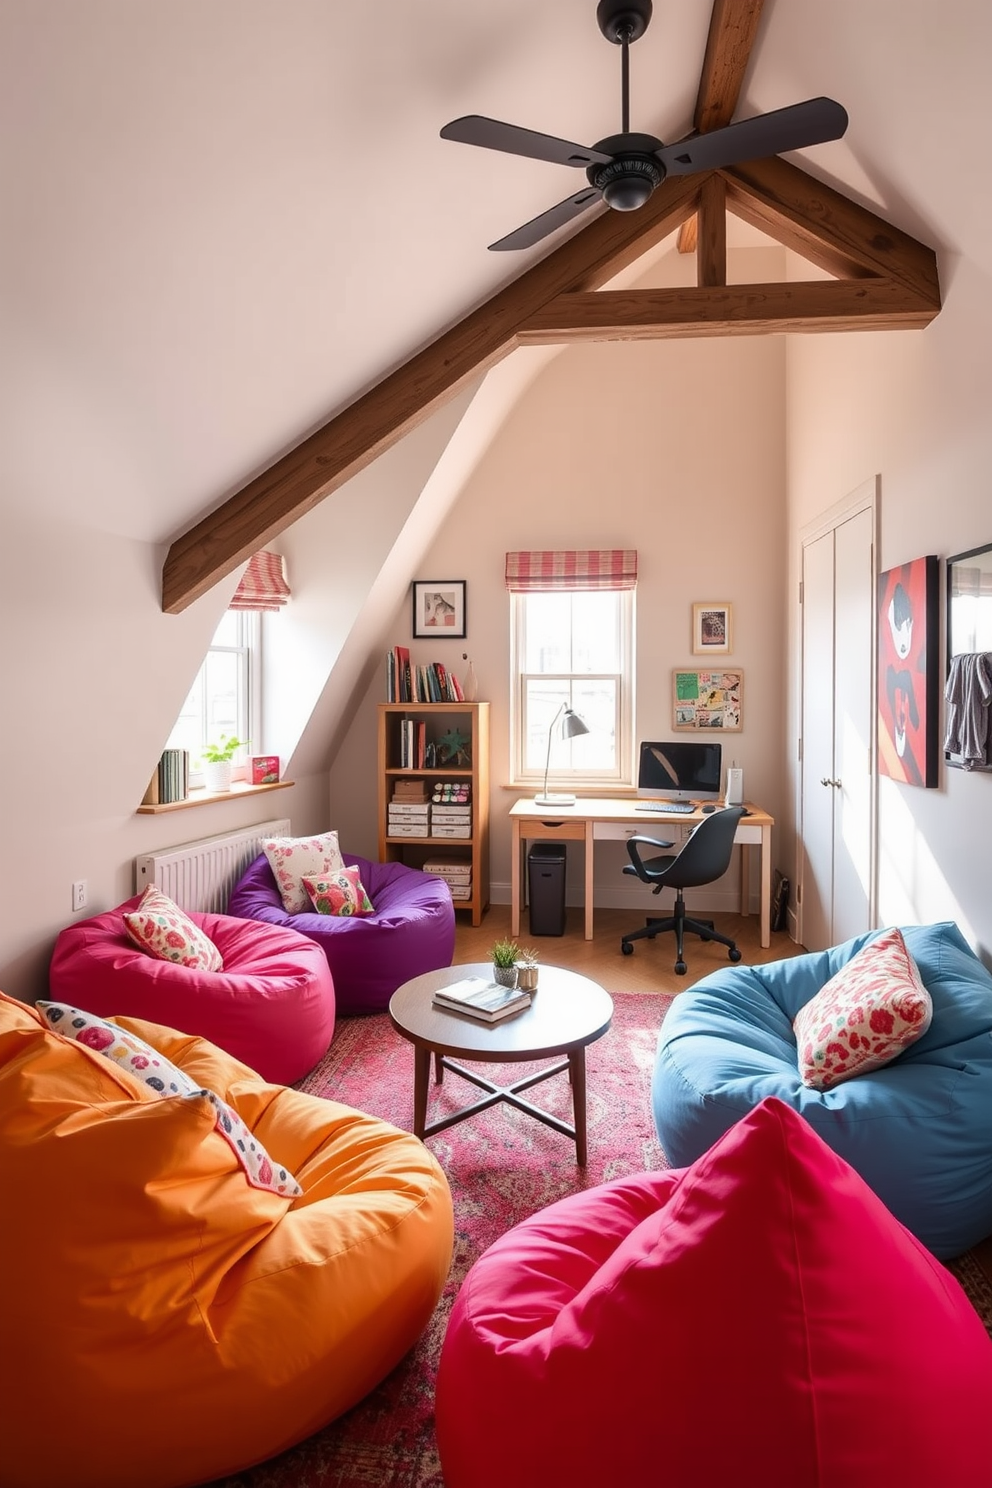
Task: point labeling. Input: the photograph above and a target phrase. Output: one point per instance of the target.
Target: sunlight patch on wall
(912, 890)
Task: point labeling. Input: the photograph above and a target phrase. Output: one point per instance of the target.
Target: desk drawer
(665, 831)
(747, 836)
(553, 829)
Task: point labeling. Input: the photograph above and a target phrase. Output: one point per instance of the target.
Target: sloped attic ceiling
(233, 221)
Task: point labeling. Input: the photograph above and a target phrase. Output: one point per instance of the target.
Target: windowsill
(238, 791)
(576, 788)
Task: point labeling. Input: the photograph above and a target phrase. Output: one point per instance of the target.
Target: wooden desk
(591, 821)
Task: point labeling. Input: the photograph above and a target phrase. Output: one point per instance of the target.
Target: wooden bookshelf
(471, 722)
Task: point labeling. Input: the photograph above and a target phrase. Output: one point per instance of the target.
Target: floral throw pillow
(165, 1078)
(873, 1008)
(339, 894)
(294, 858)
(125, 1049)
(160, 927)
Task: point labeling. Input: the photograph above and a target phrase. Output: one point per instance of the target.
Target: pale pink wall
(673, 448)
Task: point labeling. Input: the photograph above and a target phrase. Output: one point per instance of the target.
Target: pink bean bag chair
(271, 1006)
(758, 1319)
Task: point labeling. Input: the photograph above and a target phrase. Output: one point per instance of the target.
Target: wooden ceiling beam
(827, 228)
(350, 441)
(711, 256)
(728, 310)
(733, 28)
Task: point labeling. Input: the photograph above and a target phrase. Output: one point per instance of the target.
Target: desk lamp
(571, 726)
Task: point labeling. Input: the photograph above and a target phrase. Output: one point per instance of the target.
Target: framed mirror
(969, 602)
(969, 627)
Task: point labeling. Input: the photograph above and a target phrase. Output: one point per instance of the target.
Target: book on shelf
(487, 1001)
(408, 682)
(170, 781)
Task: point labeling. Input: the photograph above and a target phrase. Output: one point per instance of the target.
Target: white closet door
(817, 824)
(837, 810)
(854, 630)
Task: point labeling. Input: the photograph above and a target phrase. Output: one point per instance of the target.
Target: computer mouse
(707, 809)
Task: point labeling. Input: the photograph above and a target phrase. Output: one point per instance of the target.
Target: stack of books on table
(487, 1001)
(456, 872)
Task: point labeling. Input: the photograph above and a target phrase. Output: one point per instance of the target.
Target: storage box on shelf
(442, 804)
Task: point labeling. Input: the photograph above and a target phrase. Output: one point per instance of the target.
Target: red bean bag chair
(272, 1005)
(758, 1319)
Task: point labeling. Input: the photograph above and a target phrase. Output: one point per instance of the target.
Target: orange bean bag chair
(168, 1321)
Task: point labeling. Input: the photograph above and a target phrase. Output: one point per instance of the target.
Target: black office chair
(705, 857)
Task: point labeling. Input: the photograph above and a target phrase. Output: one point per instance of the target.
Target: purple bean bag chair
(412, 930)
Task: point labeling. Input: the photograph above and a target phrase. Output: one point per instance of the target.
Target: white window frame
(621, 775)
(248, 649)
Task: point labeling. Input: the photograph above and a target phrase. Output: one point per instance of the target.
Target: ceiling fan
(624, 169)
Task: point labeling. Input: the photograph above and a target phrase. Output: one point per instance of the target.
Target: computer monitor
(680, 770)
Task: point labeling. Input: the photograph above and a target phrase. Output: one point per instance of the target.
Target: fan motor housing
(633, 173)
(623, 20)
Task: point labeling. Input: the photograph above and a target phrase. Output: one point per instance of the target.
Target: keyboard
(675, 808)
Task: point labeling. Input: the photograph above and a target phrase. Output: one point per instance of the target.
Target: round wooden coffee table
(566, 1013)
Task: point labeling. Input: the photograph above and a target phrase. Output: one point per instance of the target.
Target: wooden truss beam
(733, 27)
(887, 280)
(727, 310)
(295, 484)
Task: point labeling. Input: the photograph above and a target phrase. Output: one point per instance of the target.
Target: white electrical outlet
(79, 894)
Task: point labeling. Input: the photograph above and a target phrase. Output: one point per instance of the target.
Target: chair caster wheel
(628, 950)
(680, 968)
(706, 937)
(734, 954)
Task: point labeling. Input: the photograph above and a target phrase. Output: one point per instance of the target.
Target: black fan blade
(793, 128)
(491, 134)
(532, 232)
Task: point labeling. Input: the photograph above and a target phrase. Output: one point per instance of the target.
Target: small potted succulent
(527, 959)
(504, 954)
(217, 762)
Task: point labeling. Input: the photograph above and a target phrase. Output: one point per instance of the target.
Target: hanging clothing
(969, 717)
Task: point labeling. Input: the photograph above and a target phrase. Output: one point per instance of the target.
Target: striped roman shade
(263, 585)
(608, 568)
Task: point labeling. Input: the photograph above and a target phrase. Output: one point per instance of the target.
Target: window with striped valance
(263, 584)
(571, 570)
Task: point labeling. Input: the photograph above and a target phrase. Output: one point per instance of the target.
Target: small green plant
(226, 749)
(504, 953)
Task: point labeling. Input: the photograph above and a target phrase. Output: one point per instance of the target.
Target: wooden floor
(651, 966)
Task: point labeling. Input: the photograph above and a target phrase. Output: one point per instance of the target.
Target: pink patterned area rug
(502, 1166)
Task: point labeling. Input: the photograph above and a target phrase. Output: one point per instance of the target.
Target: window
(224, 699)
(572, 648)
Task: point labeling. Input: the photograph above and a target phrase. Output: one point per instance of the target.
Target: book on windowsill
(488, 1001)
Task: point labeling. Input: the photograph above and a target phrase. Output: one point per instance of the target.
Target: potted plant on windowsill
(217, 763)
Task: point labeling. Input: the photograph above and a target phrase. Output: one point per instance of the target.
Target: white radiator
(200, 875)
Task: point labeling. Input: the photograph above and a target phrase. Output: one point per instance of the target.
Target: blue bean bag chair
(918, 1130)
